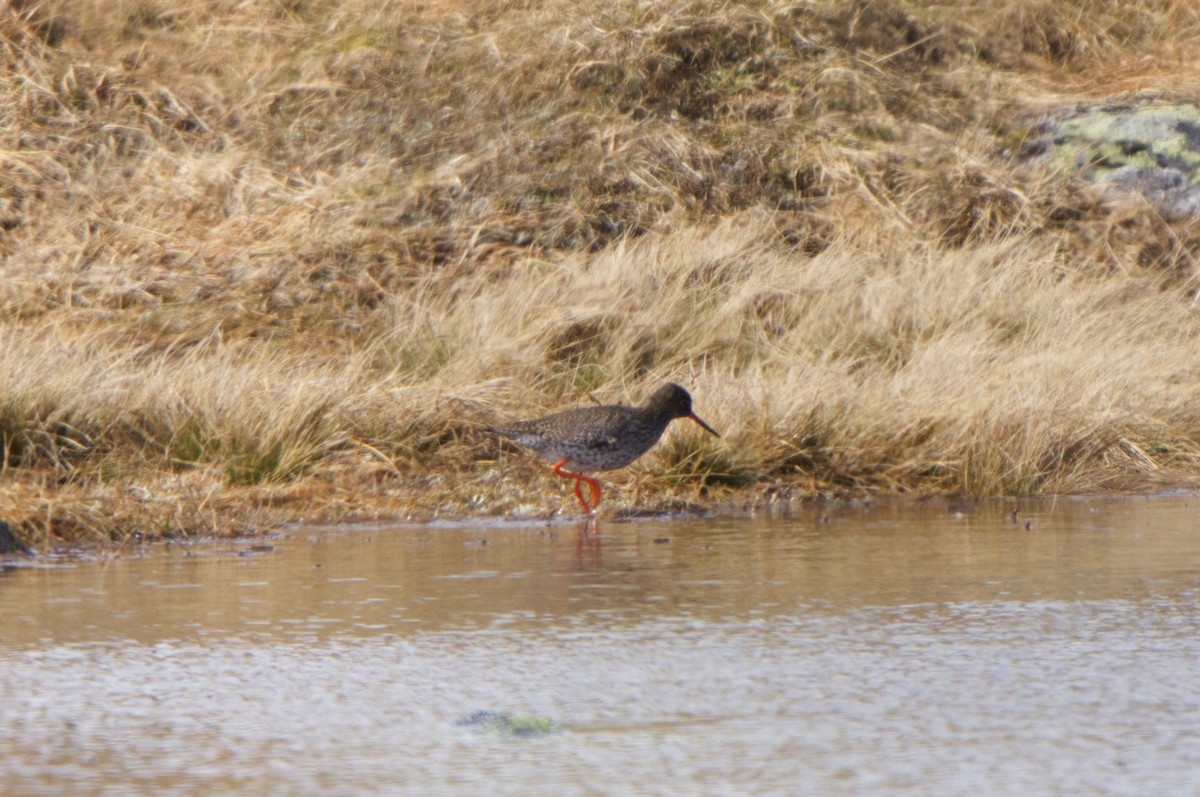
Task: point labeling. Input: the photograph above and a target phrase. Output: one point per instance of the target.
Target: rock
(1151, 150)
(11, 543)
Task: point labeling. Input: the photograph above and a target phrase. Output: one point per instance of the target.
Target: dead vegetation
(266, 261)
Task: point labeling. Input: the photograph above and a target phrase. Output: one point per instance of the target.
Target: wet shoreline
(900, 647)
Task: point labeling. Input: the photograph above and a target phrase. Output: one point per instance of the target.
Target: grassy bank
(268, 261)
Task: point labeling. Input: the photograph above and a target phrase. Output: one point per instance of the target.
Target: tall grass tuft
(263, 262)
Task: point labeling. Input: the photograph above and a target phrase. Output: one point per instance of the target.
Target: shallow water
(896, 649)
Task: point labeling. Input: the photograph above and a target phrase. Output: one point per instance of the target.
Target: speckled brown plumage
(601, 438)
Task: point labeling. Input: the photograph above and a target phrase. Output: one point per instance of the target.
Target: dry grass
(269, 261)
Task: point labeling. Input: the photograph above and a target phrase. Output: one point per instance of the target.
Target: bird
(606, 437)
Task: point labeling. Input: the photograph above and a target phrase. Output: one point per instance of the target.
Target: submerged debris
(501, 724)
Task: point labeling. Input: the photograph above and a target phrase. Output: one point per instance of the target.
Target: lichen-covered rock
(1153, 150)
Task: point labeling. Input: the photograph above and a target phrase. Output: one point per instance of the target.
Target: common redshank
(590, 439)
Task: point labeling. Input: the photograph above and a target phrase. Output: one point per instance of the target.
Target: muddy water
(893, 649)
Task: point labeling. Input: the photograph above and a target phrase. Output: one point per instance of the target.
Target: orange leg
(579, 477)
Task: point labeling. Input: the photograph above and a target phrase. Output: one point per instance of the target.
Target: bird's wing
(592, 434)
(605, 435)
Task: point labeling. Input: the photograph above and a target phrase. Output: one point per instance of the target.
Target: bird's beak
(703, 425)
